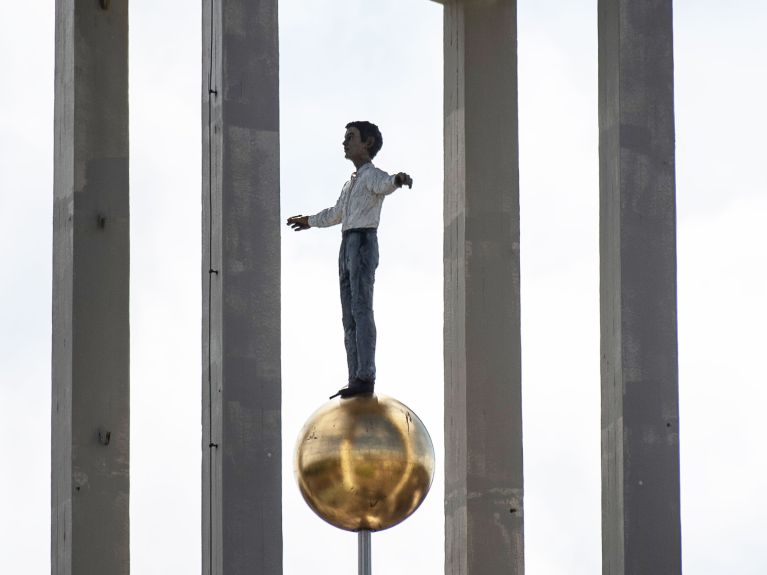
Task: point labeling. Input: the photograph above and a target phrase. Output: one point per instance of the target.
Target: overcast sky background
(344, 60)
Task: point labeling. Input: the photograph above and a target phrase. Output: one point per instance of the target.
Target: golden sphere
(365, 462)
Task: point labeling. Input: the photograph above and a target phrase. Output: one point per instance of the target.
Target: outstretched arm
(384, 184)
(327, 217)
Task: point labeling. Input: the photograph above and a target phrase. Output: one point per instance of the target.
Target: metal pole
(363, 553)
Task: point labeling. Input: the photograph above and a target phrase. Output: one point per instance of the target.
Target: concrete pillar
(90, 359)
(483, 412)
(241, 475)
(640, 413)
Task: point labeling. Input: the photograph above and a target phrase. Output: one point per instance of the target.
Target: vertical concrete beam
(242, 490)
(640, 413)
(90, 359)
(483, 411)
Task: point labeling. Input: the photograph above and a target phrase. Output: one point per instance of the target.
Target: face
(354, 147)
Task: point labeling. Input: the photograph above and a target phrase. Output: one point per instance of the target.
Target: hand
(299, 223)
(402, 179)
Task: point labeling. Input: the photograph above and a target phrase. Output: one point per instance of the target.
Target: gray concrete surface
(90, 363)
(484, 512)
(640, 411)
(241, 487)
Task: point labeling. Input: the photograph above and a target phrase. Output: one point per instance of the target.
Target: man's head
(362, 138)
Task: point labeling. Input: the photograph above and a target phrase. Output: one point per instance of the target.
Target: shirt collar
(362, 168)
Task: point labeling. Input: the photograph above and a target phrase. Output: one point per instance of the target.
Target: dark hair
(368, 130)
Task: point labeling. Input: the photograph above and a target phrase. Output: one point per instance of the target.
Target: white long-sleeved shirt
(359, 205)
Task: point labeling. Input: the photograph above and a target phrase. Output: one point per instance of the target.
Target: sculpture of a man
(358, 210)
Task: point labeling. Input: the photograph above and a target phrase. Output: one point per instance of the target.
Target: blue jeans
(357, 263)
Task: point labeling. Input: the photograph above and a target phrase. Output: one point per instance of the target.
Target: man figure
(358, 209)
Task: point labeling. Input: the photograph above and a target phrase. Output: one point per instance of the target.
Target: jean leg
(347, 318)
(362, 267)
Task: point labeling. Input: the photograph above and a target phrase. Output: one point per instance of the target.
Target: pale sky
(345, 60)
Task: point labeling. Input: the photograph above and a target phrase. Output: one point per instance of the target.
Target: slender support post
(641, 530)
(364, 558)
(90, 361)
(483, 402)
(241, 475)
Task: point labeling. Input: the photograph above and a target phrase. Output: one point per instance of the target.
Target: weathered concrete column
(241, 476)
(640, 414)
(483, 412)
(90, 363)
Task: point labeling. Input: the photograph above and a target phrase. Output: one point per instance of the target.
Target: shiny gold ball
(365, 462)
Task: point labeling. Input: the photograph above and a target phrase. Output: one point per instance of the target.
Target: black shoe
(355, 387)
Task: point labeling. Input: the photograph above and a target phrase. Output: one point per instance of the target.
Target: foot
(356, 387)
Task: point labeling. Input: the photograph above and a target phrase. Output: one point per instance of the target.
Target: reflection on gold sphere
(364, 463)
